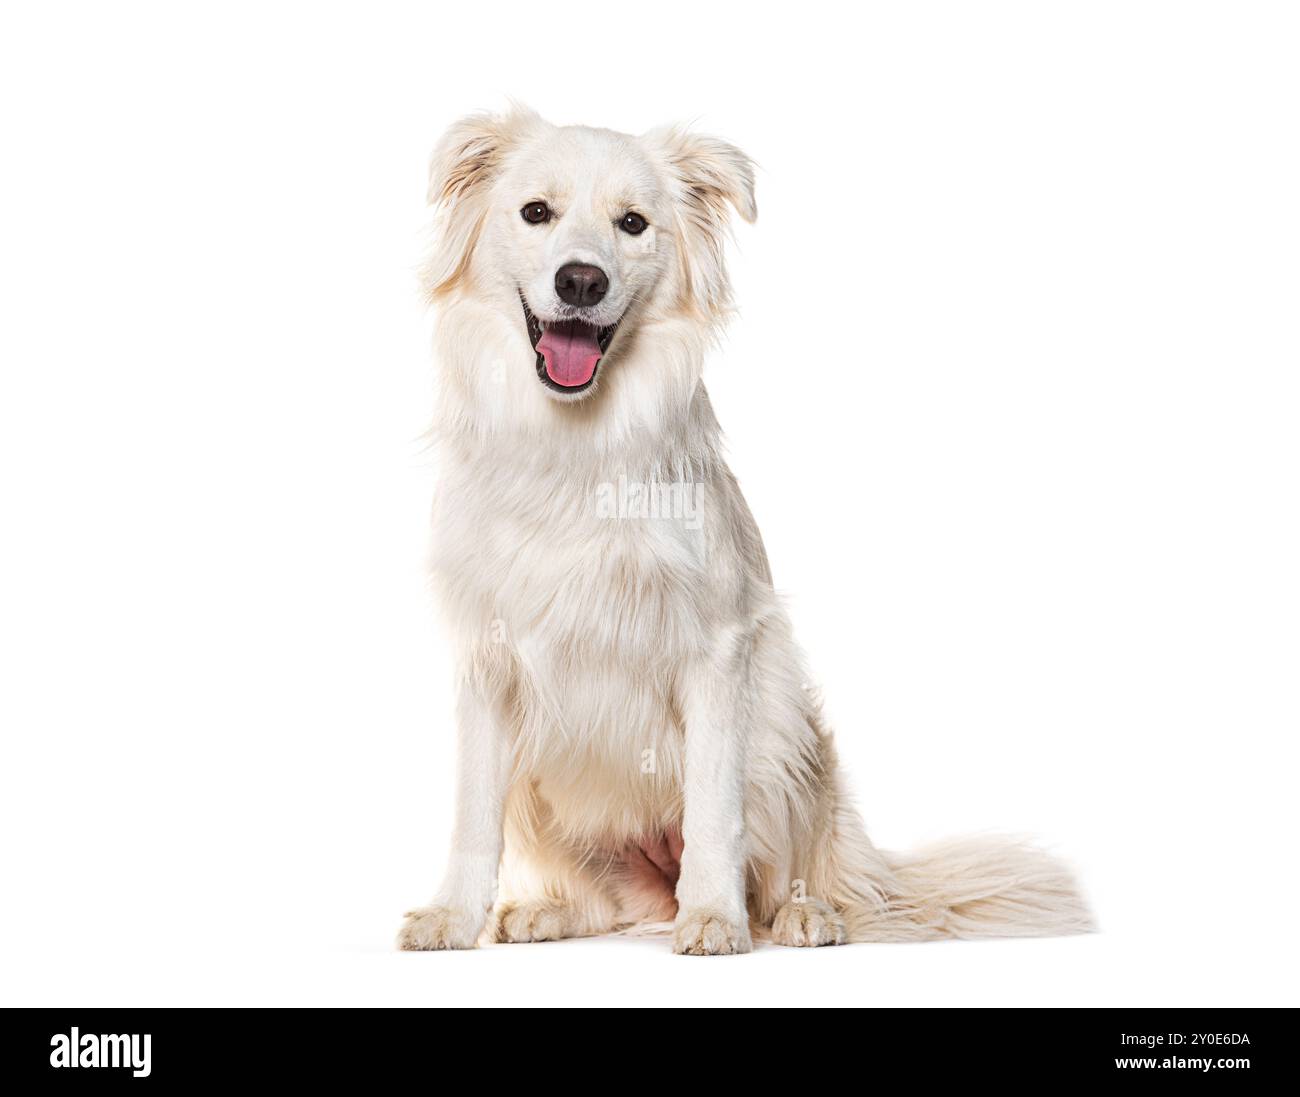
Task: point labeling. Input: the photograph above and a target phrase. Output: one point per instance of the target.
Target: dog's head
(590, 233)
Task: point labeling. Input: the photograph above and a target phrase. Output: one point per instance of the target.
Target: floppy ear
(463, 166)
(708, 178)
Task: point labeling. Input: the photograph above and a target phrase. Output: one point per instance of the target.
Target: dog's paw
(808, 924)
(708, 933)
(430, 929)
(515, 923)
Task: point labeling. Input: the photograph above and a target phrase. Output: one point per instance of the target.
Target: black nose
(580, 284)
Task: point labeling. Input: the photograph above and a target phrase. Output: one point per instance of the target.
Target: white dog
(637, 742)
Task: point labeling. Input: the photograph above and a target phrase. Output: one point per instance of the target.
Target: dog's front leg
(459, 911)
(712, 919)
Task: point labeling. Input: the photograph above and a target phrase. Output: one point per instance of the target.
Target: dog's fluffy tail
(982, 887)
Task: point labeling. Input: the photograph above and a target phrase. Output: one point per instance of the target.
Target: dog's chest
(580, 582)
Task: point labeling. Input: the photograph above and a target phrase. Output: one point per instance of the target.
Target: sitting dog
(637, 742)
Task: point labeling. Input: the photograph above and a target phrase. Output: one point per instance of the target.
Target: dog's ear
(708, 178)
(464, 163)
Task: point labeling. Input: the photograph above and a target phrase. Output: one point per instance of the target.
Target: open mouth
(568, 351)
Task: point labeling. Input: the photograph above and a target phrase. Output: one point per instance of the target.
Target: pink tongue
(571, 352)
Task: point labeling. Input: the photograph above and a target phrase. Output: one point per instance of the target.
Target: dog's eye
(535, 213)
(632, 223)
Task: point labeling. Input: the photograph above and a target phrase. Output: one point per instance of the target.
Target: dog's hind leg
(546, 891)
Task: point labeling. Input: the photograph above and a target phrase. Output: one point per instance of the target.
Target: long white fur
(625, 677)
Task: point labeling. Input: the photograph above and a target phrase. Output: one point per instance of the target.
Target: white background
(1013, 393)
